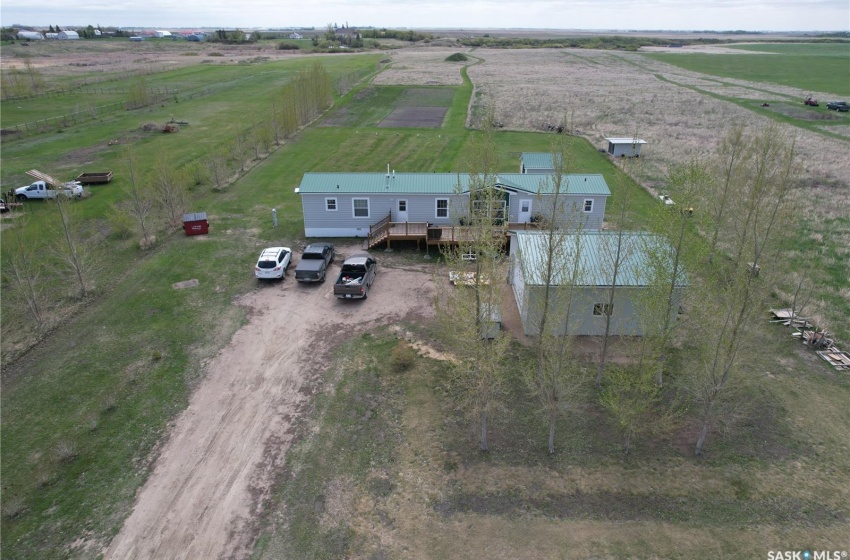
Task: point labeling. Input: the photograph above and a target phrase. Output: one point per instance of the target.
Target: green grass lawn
(812, 67)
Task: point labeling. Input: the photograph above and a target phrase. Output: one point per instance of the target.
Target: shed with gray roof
(587, 258)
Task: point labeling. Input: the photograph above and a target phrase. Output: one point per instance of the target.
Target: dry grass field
(682, 114)
(422, 67)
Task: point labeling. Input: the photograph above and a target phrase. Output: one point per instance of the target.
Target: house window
(525, 206)
(361, 207)
(402, 206)
(588, 205)
(442, 207)
(603, 309)
(330, 204)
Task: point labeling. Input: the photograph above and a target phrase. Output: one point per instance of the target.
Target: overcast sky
(751, 15)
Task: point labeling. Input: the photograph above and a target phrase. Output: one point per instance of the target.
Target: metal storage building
(588, 256)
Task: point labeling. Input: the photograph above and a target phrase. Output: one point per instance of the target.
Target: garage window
(603, 309)
(588, 205)
(361, 207)
(330, 204)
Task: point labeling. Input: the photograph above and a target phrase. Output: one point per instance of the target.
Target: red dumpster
(196, 223)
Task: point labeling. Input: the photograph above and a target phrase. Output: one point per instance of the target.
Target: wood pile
(820, 340)
(838, 359)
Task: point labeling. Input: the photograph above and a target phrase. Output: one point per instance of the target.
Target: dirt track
(210, 481)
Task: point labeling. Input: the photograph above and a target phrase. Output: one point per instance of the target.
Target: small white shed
(68, 35)
(624, 147)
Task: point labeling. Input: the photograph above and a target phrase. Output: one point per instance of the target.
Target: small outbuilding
(536, 162)
(295, 36)
(624, 147)
(196, 223)
(587, 258)
(30, 36)
(161, 34)
(68, 35)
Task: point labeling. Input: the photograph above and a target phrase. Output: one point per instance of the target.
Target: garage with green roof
(585, 262)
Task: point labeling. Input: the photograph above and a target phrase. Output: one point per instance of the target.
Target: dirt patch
(415, 117)
(214, 474)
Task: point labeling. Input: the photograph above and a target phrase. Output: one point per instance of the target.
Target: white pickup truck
(41, 190)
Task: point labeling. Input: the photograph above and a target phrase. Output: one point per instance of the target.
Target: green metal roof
(442, 183)
(593, 184)
(596, 252)
(537, 160)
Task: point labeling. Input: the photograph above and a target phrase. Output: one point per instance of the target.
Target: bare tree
(78, 255)
(22, 273)
(614, 251)
(464, 311)
(139, 202)
(169, 189)
(733, 155)
(216, 163)
(238, 148)
(633, 399)
(739, 290)
(554, 378)
(666, 256)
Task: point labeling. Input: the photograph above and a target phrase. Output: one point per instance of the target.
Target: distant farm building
(30, 36)
(295, 36)
(196, 37)
(51, 35)
(137, 38)
(68, 35)
(161, 34)
(624, 147)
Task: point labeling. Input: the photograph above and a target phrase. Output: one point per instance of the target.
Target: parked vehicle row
(356, 275)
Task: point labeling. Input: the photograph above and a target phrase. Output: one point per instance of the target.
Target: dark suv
(838, 106)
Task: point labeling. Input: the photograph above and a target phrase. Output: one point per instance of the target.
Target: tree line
(721, 240)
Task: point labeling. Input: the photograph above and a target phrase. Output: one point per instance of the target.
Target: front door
(401, 214)
(524, 215)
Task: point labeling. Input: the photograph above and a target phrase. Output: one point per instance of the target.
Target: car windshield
(267, 264)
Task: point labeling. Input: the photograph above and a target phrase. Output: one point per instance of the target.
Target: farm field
(383, 464)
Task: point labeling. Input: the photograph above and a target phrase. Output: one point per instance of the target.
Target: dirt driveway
(207, 487)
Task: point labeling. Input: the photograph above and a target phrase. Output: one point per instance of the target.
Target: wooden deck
(386, 231)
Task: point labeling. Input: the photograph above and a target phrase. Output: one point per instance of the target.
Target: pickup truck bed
(356, 277)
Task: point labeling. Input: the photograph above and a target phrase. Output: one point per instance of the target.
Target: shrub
(457, 57)
(119, 222)
(403, 356)
(287, 47)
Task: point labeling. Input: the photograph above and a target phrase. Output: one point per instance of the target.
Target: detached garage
(588, 256)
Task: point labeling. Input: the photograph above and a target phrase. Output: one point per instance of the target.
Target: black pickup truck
(356, 277)
(315, 260)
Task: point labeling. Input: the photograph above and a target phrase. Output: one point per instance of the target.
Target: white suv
(273, 263)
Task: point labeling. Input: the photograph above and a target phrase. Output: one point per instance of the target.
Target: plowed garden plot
(390, 107)
(415, 117)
